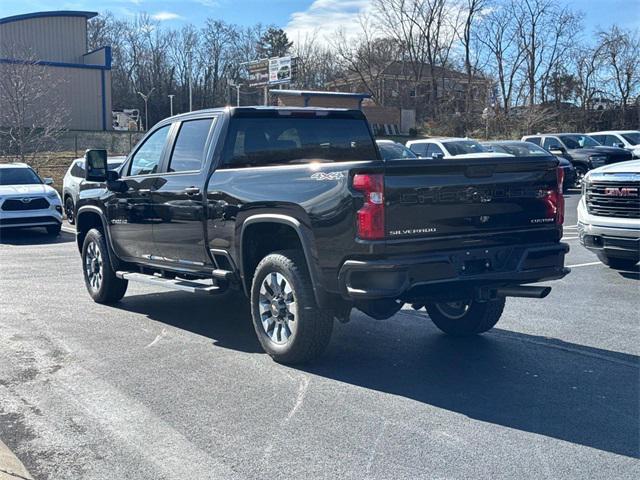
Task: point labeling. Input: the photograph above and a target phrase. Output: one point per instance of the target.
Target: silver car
(72, 180)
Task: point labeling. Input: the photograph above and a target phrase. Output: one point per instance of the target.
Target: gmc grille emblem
(621, 192)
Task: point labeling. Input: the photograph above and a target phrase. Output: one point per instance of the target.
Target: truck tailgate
(428, 198)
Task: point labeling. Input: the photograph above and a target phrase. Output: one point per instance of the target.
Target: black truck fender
(306, 240)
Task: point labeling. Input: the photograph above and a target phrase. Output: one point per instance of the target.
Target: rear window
(264, 141)
(463, 147)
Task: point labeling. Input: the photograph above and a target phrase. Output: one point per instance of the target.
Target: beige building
(74, 80)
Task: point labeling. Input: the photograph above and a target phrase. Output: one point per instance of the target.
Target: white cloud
(325, 17)
(164, 16)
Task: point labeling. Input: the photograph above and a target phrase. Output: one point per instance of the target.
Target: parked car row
(577, 153)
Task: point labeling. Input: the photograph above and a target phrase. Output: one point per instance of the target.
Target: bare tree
(32, 115)
(497, 34)
(472, 9)
(620, 50)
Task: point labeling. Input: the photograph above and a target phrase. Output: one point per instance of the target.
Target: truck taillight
(371, 215)
(555, 199)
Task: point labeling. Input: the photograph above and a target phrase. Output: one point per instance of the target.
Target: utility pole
(146, 107)
(171, 100)
(237, 87)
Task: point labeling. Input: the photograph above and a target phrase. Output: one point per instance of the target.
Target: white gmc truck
(609, 214)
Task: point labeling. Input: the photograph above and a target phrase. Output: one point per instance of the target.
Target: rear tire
(99, 278)
(53, 230)
(289, 325)
(618, 263)
(466, 317)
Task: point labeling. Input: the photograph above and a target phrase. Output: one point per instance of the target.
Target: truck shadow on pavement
(33, 236)
(579, 394)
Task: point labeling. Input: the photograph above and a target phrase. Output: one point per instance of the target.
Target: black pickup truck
(296, 209)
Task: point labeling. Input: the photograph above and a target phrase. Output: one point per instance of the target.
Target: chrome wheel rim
(454, 310)
(278, 308)
(94, 266)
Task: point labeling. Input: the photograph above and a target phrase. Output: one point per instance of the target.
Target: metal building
(57, 42)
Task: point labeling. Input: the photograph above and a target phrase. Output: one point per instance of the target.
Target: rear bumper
(405, 276)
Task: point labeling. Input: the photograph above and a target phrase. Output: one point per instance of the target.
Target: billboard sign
(258, 73)
(280, 70)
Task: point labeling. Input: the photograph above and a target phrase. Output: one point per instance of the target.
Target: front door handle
(144, 191)
(192, 191)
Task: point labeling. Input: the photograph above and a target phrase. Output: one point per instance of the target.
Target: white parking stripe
(584, 264)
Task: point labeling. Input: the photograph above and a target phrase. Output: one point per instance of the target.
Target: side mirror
(95, 165)
(619, 145)
(48, 181)
(437, 156)
(557, 150)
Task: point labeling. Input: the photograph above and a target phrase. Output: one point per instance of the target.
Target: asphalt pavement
(166, 385)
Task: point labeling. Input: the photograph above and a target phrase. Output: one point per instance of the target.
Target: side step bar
(171, 283)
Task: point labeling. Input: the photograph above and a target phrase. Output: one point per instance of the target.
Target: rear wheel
(69, 210)
(99, 278)
(290, 326)
(466, 317)
(619, 263)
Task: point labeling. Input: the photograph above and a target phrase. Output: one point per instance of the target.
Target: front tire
(618, 263)
(289, 325)
(69, 210)
(99, 278)
(465, 317)
(581, 171)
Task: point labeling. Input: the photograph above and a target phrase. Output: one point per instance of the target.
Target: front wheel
(69, 210)
(581, 171)
(466, 317)
(99, 277)
(618, 263)
(290, 326)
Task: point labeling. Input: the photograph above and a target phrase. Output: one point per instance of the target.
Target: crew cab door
(178, 201)
(130, 213)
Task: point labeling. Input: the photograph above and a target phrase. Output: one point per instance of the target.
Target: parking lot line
(584, 264)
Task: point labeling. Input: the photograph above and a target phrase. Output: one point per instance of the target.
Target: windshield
(18, 176)
(461, 147)
(281, 140)
(632, 137)
(520, 149)
(392, 151)
(578, 141)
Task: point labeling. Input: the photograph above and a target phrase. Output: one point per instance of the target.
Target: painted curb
(10, 467)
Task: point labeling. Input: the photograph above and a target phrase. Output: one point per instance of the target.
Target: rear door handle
(144, 191)
(192, 191)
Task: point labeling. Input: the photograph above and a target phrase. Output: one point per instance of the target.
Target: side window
(188, 151)
(147, 159)
(551, 142)
(534, 140)
(78, 170)
(611, 139)
(420, 149)
(435, 149)
(601, 138)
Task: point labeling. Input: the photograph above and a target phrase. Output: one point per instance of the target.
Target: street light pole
(237, 87)
(146, 107)
(171, 100)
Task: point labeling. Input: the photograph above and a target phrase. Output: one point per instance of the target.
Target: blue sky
(299, 17)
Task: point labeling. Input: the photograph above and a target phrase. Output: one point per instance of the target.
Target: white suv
(627, 139)
(437, 148)
(609, 214)
(72, 180)
(28, 201)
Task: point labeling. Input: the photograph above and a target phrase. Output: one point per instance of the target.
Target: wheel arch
(291, 234)
(89, 217)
